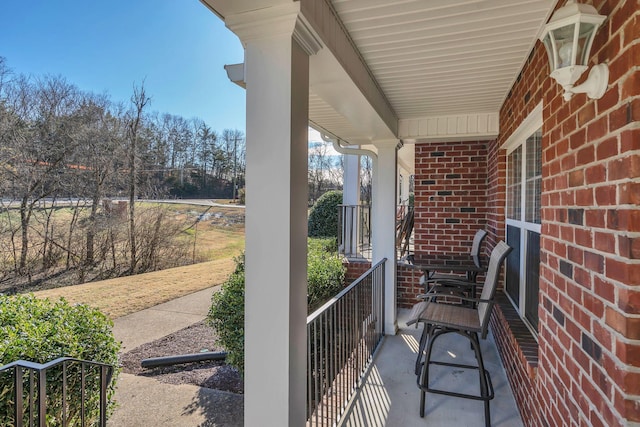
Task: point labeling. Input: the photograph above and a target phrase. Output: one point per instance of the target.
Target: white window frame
(518, 138)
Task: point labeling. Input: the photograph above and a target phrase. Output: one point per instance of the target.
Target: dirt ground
(193, 339)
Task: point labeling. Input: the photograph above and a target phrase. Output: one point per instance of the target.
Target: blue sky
(177, 46)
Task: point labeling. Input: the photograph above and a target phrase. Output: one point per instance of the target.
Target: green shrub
(323, 218)
(40, 330)
(226, 316)
(325, 272)
(325, 279)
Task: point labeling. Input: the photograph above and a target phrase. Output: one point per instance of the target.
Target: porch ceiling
(416, 70)
(444, 57)
(443, 67)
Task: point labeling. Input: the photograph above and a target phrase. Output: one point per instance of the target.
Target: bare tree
(38, 125)
(139, 101)
(58, 143)
(5, 74)
(101, 145)
(321, 170)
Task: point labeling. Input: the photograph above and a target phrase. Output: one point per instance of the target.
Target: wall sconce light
(568, 38)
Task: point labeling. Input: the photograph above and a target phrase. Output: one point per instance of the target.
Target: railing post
(82, 396)
(42, 398)
(64, 394)
(103, 396)
(32, 398)
(19, 408)
(383, 289)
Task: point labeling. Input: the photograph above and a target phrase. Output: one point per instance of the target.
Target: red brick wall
(355, 269)
(589, 337)
(496, 195)
(408, 285)
(450, 195)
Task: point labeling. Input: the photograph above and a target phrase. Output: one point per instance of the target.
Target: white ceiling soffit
(339, 106)
(435, 58)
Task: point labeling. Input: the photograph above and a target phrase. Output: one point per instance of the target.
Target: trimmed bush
(41, 330)
(325, 277)
(226, 316)
(325, 272)
(323, 218)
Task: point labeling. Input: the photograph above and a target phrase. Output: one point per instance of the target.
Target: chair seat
(447, 315)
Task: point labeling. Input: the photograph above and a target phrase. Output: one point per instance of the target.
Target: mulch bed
(193, 339)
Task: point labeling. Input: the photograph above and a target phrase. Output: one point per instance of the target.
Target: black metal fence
(342, 337)
(65, 392)
(354, 231)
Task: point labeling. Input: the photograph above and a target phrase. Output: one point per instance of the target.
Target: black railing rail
(31, 390)
(342, 337)
(354, 231)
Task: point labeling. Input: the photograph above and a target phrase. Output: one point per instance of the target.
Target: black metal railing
(354, 231)
(63, 392)
(342, 336)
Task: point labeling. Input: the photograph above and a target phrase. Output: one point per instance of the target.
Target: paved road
(66, 202)
(199, 202)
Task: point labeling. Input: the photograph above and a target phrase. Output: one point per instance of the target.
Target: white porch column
(403, 185)
(277, 81)
(384, 224)
(351, 196)
(351, 188)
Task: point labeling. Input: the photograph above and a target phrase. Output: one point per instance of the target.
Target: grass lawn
(126, 295)
(219, 240)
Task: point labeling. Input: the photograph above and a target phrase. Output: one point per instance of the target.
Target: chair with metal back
(440, 319)
(476, 246)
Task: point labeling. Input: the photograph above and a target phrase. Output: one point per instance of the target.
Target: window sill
(514, 337)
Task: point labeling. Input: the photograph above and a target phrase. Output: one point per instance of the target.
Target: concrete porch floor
(390, 396)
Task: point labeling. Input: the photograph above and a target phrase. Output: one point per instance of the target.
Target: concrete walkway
(143, 401)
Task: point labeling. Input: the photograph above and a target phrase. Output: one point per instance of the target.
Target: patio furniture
(439, 319)
(476, 245)
(453, 283)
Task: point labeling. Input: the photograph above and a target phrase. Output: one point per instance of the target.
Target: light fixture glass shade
(567, 39)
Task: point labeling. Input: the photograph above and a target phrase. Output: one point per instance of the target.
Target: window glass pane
(512, 278)
(534, 159)
(514, 183)
(533, 175)
(532, 278)
(533, 201)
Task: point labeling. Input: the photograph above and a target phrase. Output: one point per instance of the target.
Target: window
(524, 178)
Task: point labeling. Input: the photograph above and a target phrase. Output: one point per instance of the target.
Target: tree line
(49, 124)
(59, 142)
